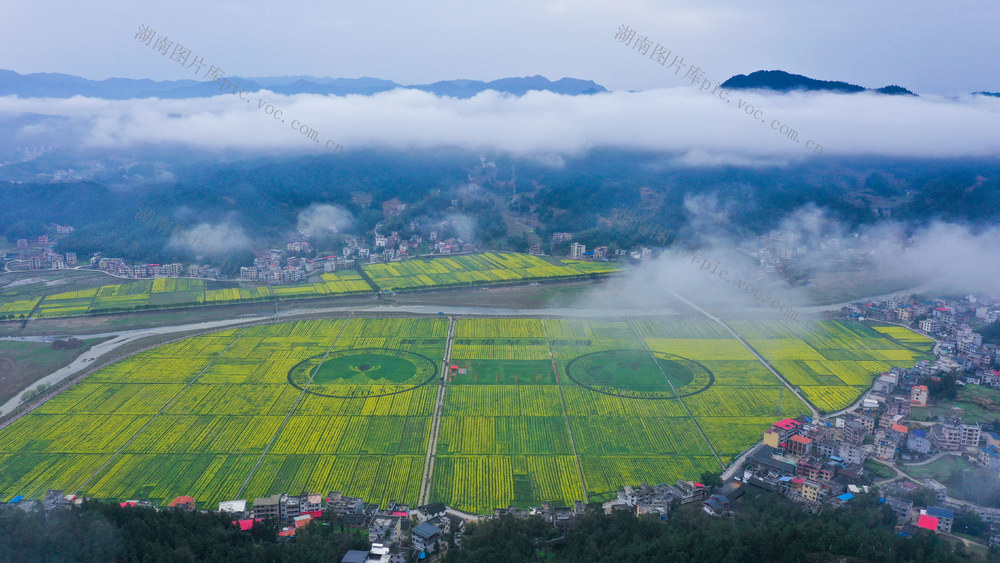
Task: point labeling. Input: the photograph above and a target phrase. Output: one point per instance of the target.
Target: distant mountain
(52, 85)
(994, 94)
(782, 81)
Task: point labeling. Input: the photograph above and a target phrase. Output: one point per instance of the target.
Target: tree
(711, 480)
(970, 523)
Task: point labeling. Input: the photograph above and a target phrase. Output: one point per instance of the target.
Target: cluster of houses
(121, 268)
(289, 266)
(394, 531)
(813, 462)
(938, 517)
(948, 321)
(39, 254)
(659, 500)
(779, 250)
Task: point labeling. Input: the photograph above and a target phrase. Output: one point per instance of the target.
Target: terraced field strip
(159, 412)
(680, 399)
(812, 409)
(426, 482)
(305, 389)
(569, 427)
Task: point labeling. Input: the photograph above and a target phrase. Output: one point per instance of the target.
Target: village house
(425, 537)
(385, 528)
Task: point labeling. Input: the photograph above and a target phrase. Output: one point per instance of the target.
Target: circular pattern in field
(361, 373)
(634, 374)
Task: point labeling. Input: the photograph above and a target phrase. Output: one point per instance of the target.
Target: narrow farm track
(569, 427)
(428, 478)
(158, 413)
(812, 409)
(638, 335)
(305, 389)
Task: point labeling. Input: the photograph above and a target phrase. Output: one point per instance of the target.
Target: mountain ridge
(57, 85)
(781, 81)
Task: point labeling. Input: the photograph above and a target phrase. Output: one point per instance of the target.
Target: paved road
(931, 459)
(118, 339)
(427, 481)
(919, 480)
(815, 413)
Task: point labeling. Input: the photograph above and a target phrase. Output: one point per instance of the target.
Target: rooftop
(426, 530)
(182, 500)
(939, 512)
(788, 424)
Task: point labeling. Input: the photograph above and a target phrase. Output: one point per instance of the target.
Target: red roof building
(927, 522)
(799, 445)
(788, 424)
(245, 525)
(185, 503)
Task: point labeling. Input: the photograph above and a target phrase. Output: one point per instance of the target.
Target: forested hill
(781, 81)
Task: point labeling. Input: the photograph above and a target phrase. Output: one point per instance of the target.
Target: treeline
(107, 533)
(764, 529)
(263, 197)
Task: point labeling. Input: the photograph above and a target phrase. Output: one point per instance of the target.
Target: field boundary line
(569, 427)
(428, 477)
(765, 363)
(305, 389)
(159, 412)
(631, 323)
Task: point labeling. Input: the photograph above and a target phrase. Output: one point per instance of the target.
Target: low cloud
(322, 219)
(206, 240)
(728, 276)
(703, 130)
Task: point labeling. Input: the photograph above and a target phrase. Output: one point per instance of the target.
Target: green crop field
(534, 410)
(833, 364)
(467, 269)
(40, 296)
(167, 292)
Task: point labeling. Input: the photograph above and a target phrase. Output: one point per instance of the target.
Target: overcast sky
(929, 47)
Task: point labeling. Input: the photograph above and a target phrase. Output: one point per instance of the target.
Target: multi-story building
(944, 517)
(384, 528)
(854, 432)
(825, 448)
(971, 434)
(267, 507)
(426, 537)
(989, 457)
(813, 468)
(576, 250)
(917, 441)
(918, 396)
(885, 449)
(286, 506)
(900, 506)
(813, 491)
(851, 453)
(946, 437)
(341, 505)
(798, 445)
(928, 326)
